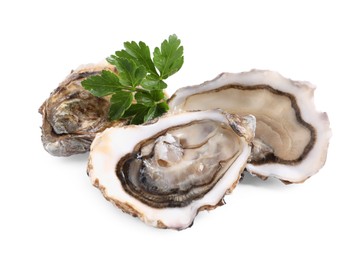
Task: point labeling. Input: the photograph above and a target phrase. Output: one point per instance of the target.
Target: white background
(49, 209)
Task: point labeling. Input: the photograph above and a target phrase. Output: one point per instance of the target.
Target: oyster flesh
(168, 170)
(291, 139)
(72, 116)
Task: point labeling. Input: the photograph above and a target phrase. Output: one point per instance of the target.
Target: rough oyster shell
(72, 116)
(291, 136)
(166, 171)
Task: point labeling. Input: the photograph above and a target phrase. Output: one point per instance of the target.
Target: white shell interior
(114, 143)
(276, 120)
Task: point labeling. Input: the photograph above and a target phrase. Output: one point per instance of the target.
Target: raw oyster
(291, 136)
(168, 170)
(72, 116)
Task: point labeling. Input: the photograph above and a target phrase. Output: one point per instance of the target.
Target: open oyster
(72, 116)
(291, 136)
(167, 171)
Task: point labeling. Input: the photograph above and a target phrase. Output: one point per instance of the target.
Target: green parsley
(137, 88)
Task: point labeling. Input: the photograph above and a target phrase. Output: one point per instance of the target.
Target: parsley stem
(141, 90)
(133, 89)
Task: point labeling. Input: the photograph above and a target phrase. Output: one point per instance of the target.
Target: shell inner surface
(281, 134)
(180, 165)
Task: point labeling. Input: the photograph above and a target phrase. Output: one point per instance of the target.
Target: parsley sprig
(137, 88)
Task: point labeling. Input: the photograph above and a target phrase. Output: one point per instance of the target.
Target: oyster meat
(72, 116)
(168, 170)
(291, 139)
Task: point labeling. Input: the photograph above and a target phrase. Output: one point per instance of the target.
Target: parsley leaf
(144, 98)
(102, 85)
(141, 53)
(169, 58)
(139, 117)
(150, 113)
(120, 102)
(137, 88)
(157, 95)
(130, 74)
(153, 82)
(133, 110)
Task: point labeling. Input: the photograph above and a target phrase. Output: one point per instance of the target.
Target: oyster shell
(291, 136)
(72, 116)
(166, 171)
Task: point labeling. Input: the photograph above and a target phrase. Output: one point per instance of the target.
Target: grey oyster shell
(72, 116)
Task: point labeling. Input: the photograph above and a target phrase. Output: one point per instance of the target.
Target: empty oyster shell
(291, 136)
(165, 172)
(72, 116)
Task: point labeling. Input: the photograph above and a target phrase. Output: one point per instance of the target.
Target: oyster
(166, 171)
(291, 136)
(72, 116)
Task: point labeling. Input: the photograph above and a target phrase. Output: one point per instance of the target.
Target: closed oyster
(166, 171)
(72, 116)
(291, 136)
